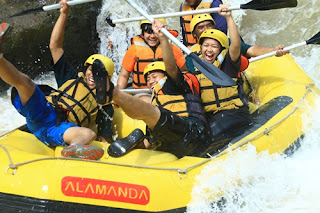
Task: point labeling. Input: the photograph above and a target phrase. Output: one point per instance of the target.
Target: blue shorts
(41, 119)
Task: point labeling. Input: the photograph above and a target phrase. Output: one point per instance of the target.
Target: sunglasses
(147, 28)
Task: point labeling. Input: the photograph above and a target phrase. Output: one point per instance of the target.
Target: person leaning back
(101, 122)
(175, 117)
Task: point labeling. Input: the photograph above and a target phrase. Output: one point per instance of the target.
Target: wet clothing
(179, 135)
(221, 23)
(64, 71)
(140, 54)
(41, 118)
(232, 120)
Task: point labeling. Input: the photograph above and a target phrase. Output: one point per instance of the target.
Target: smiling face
(201, 27)
(89, 77)
(153, 77)
(151, 39)
(210, 49)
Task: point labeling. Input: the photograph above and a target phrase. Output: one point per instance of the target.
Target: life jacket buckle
(62, 114)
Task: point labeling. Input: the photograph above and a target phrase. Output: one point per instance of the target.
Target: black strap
(139, 73)
(241, 92)
(56, 99)
(221, 100)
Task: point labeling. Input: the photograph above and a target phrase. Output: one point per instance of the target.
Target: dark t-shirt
(229, 67)
(63, 72)
(176, 87)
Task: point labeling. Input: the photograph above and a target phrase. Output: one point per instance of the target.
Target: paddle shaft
(175, 14)
(214, 74)
(163, 30)
(275, 52)
(253, 5)
(70, 3)
(135, 91)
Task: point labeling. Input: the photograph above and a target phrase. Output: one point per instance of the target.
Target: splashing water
(257, 182)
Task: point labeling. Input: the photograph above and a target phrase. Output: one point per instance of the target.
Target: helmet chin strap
(220, 58)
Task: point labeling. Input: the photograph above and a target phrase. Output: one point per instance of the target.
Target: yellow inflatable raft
(35, 177)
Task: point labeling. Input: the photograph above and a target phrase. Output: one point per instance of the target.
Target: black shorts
(178, 135)
(229, 122)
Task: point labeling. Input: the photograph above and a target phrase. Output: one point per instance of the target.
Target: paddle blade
(269, 5)
(3, 29)
(315, 39)
(26, 12)
(109, 21)
(213, 73)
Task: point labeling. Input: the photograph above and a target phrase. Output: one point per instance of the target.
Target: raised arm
(235, 45)
(57, 35)
(167, 53)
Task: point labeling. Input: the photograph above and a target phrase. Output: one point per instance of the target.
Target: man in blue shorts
(64, 71)
(41, 112)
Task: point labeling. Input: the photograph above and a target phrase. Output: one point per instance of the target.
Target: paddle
(135, 91)
(47, 90)
(314, 40)
(209, 70)
(50, 7)
(253, 5)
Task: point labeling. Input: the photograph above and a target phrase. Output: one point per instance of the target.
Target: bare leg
(11, 75)
(137, 108)
(22, 82)
(79, 135)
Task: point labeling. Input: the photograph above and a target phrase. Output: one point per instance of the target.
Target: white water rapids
(263, 183)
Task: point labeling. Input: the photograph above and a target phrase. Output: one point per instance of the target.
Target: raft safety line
(180, 171)
(266, 131)
(15, 166)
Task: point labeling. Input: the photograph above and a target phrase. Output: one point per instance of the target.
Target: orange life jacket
(187, 19)
(145, 55)
(193, 82)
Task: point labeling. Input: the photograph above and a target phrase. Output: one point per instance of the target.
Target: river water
(267, 183)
